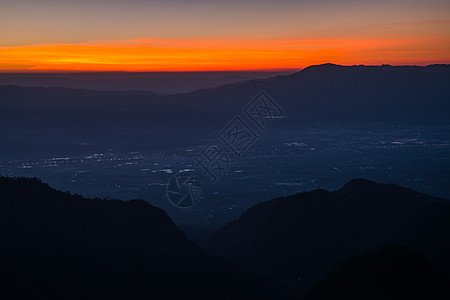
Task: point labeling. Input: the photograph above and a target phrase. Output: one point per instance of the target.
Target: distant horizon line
(271, 70)
(145, 71)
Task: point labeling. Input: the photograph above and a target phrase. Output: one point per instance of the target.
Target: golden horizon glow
(196, 54)
(206, 35)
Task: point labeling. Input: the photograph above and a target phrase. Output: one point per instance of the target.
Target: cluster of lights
(97, 158)
(403, 146)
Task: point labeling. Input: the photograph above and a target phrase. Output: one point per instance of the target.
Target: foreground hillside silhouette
(392, 272)
(302, 236)
(61, 246)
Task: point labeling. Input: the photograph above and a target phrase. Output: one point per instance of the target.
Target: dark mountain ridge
(158, 82)
(323, 92)
(57, 245)
(304, 235)
(327, 93)
(391, 272)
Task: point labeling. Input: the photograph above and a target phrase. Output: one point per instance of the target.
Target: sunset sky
(186, 35)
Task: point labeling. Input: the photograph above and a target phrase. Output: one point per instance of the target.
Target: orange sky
(188, 35)
(195, 54)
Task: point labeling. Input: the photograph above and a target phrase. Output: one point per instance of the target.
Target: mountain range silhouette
(58, 245)
(61, 246)
(302, 236)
